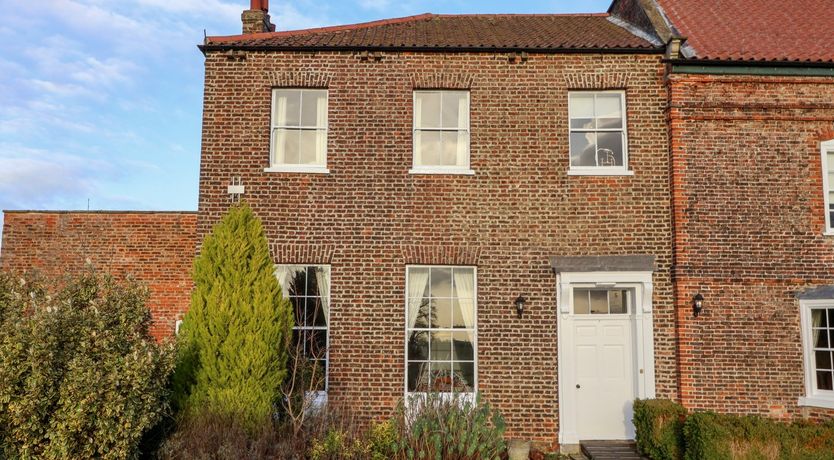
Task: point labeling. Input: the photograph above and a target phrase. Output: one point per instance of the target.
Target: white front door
(606, 353)
(604, 370)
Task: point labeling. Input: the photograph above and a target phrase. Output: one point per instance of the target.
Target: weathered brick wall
(155, 248)
(749, 221)
(369, 217)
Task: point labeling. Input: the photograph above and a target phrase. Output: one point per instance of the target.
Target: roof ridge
(337, 28)
(511, 15)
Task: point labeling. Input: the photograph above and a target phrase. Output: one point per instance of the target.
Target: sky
(101, 100)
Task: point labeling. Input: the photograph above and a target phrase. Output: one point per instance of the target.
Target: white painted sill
(826, 402)
(600, 172)
(298, 169)
(449, 171)
(828, 233)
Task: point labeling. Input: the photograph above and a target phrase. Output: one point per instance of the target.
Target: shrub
(659, 426)
(233, 348)
(448, 428)
(716, 436)
(80, 376)
(208, 435)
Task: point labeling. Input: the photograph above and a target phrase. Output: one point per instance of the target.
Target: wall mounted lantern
(519, 305)
(697, 304)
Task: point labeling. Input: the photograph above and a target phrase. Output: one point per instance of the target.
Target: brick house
(522, 205)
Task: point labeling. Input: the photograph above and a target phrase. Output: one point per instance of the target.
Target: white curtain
(418, 110)
(465, 287)
(284, 274)
(279, 135)
(463, 130)
(321, 132)
(418, 279)
(323, 281)
(816, 319)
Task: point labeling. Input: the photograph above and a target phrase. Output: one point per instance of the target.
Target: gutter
(767, 68)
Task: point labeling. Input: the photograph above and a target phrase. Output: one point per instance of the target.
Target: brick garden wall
(749, 221)
(368, 218)
(156, 248)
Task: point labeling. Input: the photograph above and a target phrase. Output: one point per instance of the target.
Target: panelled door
(604, 364)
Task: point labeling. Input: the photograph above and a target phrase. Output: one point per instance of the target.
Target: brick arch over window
(441, 255)
(596, 81)
(299, 79)
(442, 80)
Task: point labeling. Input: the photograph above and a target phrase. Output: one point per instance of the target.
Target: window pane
(464, 377)
(618, 301)
(599, 302)
(430, 149)
(583, 149)
(581, 303)
(417, 277)
(454, 102)
(441, 346)
(464, 349)
(608, 111)
(311, 101)
(290, 101)
(823, 360)
(442, 313)
(316, 316)
(824, 380)
(821, 338)
(441, 377)
(418, 346)
(463, 313)
(290, 146)
(308, 149)
(429, 106)
(581, 106)
(423, 318)
(418, 377)
(318, 344)
(450, 141)
(818, 318)
(298, 307)
(441, 282)
(610, 151)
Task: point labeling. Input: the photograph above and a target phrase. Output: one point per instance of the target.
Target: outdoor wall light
(697, 304)
(519, 305)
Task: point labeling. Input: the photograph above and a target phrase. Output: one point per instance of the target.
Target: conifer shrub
(233, 341)
(659, 427)
(80, 375)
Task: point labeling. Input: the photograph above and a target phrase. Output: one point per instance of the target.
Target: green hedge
(716, 436)
(659, 424)
(666, 432)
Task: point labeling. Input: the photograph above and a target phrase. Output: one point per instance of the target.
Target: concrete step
(611, 450)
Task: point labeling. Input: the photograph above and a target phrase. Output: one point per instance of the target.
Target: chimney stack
(256, 18)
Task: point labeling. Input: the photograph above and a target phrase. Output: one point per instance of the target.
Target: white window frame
(813, 397)
(440, 169)
(320, 396)
(601, 170)
(298, 168)
(461, 396)
(826, 148)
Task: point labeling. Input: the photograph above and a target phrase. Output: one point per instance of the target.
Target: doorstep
(610, 450)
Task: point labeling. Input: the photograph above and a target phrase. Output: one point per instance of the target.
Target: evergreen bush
(234, 339)
(80, 375)
(659, 427)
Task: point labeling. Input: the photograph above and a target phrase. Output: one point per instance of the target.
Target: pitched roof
(755, 30)
(545, 32)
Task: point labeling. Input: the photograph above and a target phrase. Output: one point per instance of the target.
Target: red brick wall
(368, 218)
(156, 248)
(749, 221)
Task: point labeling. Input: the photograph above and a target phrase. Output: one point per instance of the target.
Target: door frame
(643, 337)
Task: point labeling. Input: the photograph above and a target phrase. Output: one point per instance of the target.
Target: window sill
(600, 172)
(449, 171)
(826, 402)
(298, 169)
(828, 233)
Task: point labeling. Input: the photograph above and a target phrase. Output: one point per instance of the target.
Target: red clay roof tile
(756, 30)
(431, 31)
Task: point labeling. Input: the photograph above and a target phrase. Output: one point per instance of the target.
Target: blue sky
(100, 100)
